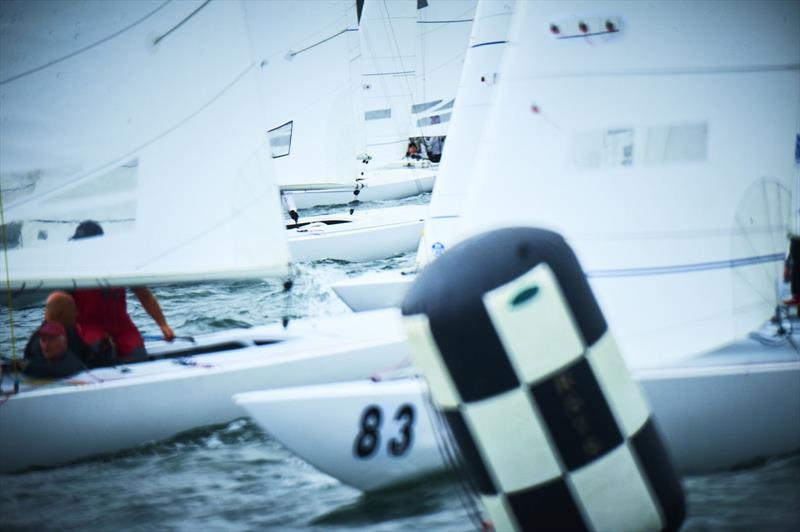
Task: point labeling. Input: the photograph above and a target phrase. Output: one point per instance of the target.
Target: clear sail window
(378, 114)
(280, 139)
(59, 201)
(419, 107)
(676, 143)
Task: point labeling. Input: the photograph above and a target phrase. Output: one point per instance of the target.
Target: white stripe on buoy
(625, 396)
(427, 358)
(512, 440)
(538, 333)
(613, 493)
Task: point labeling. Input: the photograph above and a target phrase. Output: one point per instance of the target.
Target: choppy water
(234, 477)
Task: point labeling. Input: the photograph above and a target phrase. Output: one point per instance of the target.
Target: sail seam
(85, 48)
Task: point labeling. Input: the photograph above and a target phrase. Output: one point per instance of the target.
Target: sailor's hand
(166, 330)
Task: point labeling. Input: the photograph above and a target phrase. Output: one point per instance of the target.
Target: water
(234, 477)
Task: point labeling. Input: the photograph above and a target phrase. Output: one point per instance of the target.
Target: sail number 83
(368, 438)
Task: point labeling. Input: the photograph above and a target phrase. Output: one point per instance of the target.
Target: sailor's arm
(151, 306)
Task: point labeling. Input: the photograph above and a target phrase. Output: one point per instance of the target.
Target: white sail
(146, 117)
(659, 139)
(443, 32)
(389, 63)
(306, 52)
(412, 55)
(478, 79)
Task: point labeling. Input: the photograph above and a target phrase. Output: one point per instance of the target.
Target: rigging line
(444, 21)
(145, 144)
(4, 235)
(685, 268)
(397, 47)
(745, 69)
(292, 54)
(85, 48)
(179, 24)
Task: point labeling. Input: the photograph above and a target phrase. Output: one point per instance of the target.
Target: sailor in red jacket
(103, 312)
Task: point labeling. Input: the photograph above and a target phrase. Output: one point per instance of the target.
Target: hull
(374, 291)
(365, 235)
(334, 414)
(378, 185)
(110, 409)
(719, 410)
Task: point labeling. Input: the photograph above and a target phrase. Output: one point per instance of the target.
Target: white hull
(329, 431)
(364, 235)
(378, 185)
(374, 290)
(109, 409)
(734, 405)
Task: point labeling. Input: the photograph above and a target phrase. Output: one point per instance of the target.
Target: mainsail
(146, 117)
(662, 146)
(309, 71)
(412, 53)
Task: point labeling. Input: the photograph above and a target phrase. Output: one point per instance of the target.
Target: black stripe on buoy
(655, 460)
(577, 415)
(547, 507)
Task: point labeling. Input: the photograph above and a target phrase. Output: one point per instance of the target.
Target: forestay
(662, 146)
(309, 71)
(146, 117)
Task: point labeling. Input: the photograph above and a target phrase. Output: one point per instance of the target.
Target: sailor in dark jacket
(53, 359)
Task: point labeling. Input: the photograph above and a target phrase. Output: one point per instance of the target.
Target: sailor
(103, 312)
(434, 145)
(53, 359)
(60, 308)
(411, 152)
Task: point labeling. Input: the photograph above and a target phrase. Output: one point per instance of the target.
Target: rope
(448, 451)
(14, 363)
(293, 54)
(179, 24)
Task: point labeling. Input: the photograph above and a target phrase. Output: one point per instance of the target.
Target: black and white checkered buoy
(555, 432)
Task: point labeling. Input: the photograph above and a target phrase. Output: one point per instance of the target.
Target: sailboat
(150, 121)
(477, 83)
(351, 74)
(666, 157)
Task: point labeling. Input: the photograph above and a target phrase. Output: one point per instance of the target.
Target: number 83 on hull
(367, 444)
